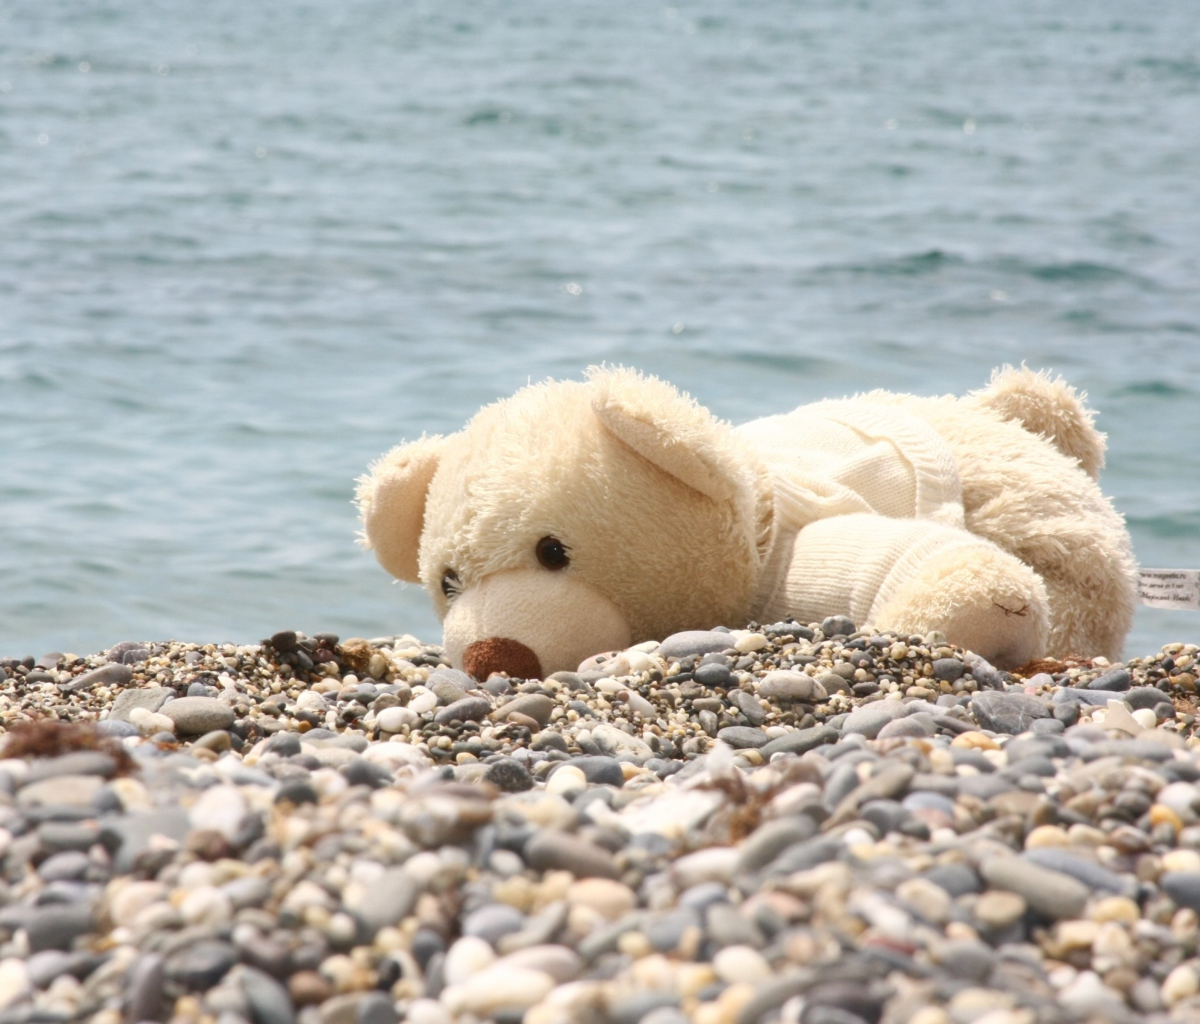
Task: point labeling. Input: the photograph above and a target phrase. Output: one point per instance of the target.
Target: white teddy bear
(575, 518)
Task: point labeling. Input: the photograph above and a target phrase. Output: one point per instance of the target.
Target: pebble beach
(793, 822)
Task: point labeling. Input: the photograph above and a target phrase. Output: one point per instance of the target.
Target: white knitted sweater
(878, 491)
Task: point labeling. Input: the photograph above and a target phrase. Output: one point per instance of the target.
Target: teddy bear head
(570, 519)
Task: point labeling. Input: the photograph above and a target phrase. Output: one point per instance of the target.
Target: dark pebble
(599, 769)
(112, 674)
(1006, 712)
(838, 625)
(469, 709)
(509, 775)
(1115, 680)
(741, 737)
(200, 965)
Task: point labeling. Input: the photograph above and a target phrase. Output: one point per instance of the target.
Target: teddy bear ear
(669, 429)
(391, 498)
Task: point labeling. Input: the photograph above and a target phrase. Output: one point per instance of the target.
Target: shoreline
(732, 827)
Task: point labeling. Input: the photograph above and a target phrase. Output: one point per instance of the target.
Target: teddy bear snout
(499, 654)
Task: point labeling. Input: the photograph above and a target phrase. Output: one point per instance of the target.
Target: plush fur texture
(978, 516)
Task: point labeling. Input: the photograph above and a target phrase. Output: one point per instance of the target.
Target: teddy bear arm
(915, 576)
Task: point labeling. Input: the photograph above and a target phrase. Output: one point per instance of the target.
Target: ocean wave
(1169, 526)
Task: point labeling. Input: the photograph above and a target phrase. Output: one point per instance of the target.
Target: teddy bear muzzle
(530, 622)
(500, 654)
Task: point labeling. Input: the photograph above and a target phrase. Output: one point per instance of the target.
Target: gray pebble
(871, 719)
(268, 1000)
(1088, 872)
(194, 716)
(65, 866)
(713, 674)
(772, 838)
(1007, 712)
(509, 775)
(392, 897)
(58, 926)
(800, 741)
(550, 849)
(1183, 887)
(468, 709)
(691, 642)
(152, 698)
(112, 674)
(1052, 894)
(374, 1008)
(78, 762)
(533, 705)
(143, 990)
(947, 670)
(1116, 680)
(740, 737)
(200, 965)
(493, 921)
(599, 769)
(838, 625)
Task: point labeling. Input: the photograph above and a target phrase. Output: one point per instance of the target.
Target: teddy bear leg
(980, 597)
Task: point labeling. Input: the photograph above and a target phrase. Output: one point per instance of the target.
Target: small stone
(394, 720)
(837, 625)
(509, 775)
(532, 705)
(390, 899)
(799, 741)
(947, 670)
(56, 926)
(1007, 712)
(741, 737)
(1050, 893)
(1183, 887)
(693, 642)
(871, 719)
(599, 769)
(713, 674)
(609, 898)
(374, 1008)
(113, 674)
(469, 709)
(1116, 679)
(550, 850)
(200, 965)
(1182, 983)
(219, 809)
(149, 698)
(997, 909)
(468, 956)
(502, 991)
(787, 687)
(194, 716)
(61, 791)
(741, 964)
(567, 781)
(269, 1000)
(492, 922)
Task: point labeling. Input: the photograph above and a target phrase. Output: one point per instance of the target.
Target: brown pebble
(308, 988)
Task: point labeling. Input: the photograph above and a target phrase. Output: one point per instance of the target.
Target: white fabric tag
(1169, 588)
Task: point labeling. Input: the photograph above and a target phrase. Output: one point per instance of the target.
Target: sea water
(247, 247)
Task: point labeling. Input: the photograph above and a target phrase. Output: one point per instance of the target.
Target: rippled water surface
(244, 248)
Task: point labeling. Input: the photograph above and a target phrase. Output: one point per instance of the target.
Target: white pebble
(488, 992)
(750, 642)
(207, 906)
(131, 899)
(150, 722)
(567, 780)
(1180, 984)
(1146, 718)
(220, 809)
(422, 702)
(427, 1011)
(393, 720)
(468, 956)
(735, 964)
(14, 981)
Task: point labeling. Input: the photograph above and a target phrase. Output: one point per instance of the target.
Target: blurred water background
(247, 247)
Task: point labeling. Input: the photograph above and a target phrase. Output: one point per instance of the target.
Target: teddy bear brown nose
(499, 654)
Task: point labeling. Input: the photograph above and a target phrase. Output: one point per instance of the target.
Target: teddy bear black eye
(450, 584)
(552, 553)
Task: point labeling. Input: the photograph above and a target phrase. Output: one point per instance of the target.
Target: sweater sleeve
(851, 565)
